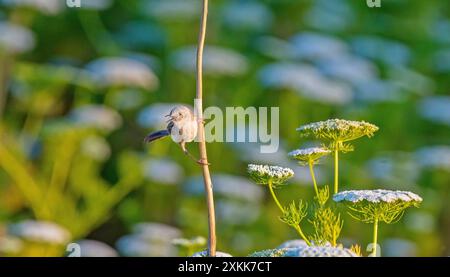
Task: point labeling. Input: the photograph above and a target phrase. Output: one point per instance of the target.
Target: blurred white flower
(136, 246)
(237, 213)
(96, 147)
(228, 186)
(381, 49)
(434, 157)
(217, 61)
(440, 30)
(149, 240)
(298, 243)
(348, 68)
(420, 222)
(153, 116)
(130, 35)
(162, 171)
(98, 5)
(396, 247)
(248, 15)
(49, 7)
(152, 231)
(411, 80)
(108, 72)
(374, 91)
(10, 245)
(436, 109)
(306, 81)
(93, 248)
(218, 254)
(313, 46)
(39, 231)
(274, 48)
(126, 99)
(441, 61)
(173, 10)
(333, 18)
(394, 168)
(15, 39)
(96, 116)
(376, 196)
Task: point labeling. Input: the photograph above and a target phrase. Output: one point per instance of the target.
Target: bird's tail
(156, 135)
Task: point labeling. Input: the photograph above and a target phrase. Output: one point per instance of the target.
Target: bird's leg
(187, 153)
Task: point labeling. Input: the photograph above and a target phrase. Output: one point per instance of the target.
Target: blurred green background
(81, 87)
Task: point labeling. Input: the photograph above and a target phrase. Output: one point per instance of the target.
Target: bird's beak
(171, 118)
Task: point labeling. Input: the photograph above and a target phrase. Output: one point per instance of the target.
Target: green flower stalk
(338, 132)
(273, 177)
(310, 157)
(375, 206)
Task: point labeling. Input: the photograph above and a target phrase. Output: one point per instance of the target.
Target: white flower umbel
(376, 196)
(40, 231)
(309, 251)
(310, 157)
(122, 72)
(266, 174)
(338, 132)
(373, 206)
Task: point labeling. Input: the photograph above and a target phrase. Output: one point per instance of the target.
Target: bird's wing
(170, 126)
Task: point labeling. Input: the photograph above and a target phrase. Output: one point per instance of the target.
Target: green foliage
(294, 214)
(327, 226)
(323, 196)
(67, 189)
(326, 222)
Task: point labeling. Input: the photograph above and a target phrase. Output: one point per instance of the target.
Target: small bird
(182, 128)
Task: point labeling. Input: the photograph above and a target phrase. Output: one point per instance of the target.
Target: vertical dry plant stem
(201, 134)
(375, 237)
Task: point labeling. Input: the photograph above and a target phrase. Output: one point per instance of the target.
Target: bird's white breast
(184, 131)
